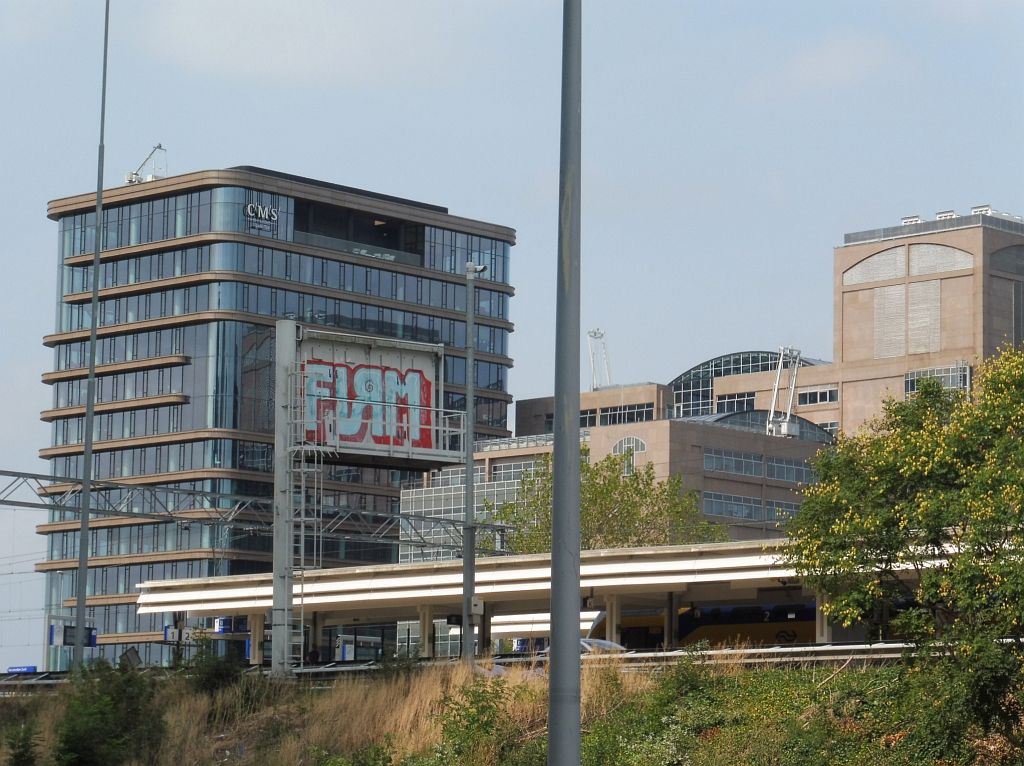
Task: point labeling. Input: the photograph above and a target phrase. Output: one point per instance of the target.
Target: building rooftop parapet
(613, 386)
(993, 220)
(338, 187)
(521, 442)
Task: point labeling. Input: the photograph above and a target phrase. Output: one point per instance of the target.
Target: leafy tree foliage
(620, 507)
(926, 506)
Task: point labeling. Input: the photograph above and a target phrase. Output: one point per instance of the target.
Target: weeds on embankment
(693, 714)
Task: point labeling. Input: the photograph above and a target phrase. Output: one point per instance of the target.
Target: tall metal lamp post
(564, 677)
(78, 654)
(469, 501)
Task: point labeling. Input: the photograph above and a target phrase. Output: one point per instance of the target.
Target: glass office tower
(195, 270)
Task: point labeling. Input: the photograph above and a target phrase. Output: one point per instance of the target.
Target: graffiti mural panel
(366, 403)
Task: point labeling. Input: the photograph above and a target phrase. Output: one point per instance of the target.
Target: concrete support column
(670, 630)
(257, 623)
(426, 614)
(315, 626)
(613, 618)
(822, 627)
(485, 631)
(285, 366)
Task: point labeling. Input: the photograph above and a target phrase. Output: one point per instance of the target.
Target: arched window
(630, 446)
(888, 264)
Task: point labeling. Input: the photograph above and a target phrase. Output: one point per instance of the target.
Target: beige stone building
(745, 479)
(922, 299)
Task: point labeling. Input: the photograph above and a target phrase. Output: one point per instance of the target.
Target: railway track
(638, 661)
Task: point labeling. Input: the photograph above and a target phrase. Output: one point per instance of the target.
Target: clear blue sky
(727, 147)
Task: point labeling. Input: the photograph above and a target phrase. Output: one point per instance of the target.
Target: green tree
(620, 507)
(926, 506)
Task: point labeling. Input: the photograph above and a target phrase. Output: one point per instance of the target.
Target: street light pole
(469, 499)
(564, 678)
(78, 655)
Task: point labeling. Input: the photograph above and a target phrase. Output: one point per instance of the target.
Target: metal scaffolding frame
(251, 515)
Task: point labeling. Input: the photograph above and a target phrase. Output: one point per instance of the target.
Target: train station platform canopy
(714, 572)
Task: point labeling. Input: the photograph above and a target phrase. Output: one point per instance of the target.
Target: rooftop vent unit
(907, 220)
(945, 215)
(981, 210)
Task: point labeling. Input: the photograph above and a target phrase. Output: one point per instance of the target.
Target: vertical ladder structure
(600, 361)
(779, 423)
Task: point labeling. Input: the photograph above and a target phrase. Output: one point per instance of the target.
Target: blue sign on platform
(21, 668)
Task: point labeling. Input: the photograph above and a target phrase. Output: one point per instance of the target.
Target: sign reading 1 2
(367, 404)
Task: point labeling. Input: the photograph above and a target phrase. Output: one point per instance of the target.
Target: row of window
(121, 387)
(226, 209)
(753, 464)
(488, 374)
(171, 536)
(285, 304)
(228, 411)
(125, 578)
(120, 425)
(449, 251)
(749, 508)
(734, 402)
(169, 458)
(219, 209)
(128, 348)
(729, 461)
(608, 416)
(789, 469)
(818, 396)
(250, 344)
(140, 538)
(627, 413)
(455, 476)
(279, 264)
(956, 378)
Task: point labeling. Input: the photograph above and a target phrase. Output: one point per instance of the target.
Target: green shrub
(210, 672)
(112, 715)
(20, 745)
(474, 728)
(373, 755)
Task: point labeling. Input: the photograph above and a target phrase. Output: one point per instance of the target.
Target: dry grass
(44, 712)
(258, 721)
(186, 741)
(397, 709)
(401, 711)
(47, 721)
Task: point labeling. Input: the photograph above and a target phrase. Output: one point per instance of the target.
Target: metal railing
(357, 248)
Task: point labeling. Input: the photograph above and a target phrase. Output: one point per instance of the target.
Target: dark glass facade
(191, 283)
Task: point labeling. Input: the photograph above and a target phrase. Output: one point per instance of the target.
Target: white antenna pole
(600, 360)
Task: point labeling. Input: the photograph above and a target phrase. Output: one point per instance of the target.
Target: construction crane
(600, 362)
(782, 424)
(136, 177)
